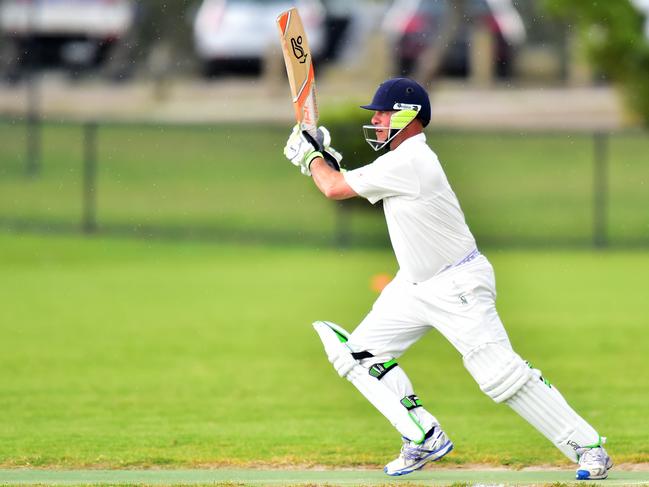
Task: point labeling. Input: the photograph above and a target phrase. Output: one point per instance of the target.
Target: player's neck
(410, 131)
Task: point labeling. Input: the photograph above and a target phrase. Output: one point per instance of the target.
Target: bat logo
(573, 444)
(298, 50)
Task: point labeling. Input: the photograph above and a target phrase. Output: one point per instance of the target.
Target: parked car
(415, 24)
(236, 34)
(77, 33)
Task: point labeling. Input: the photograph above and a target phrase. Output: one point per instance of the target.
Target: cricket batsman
(443, 282)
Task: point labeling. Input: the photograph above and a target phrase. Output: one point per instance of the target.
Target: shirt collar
(421, 137)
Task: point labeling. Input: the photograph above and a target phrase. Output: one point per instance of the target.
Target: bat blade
(299, 67)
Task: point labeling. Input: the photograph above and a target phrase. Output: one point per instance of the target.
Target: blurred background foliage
(612, 34)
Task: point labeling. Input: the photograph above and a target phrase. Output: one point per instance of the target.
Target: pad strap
(378, 371)
(411, 402)
(362, 355)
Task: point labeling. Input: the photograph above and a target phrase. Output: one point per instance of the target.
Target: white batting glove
(300, 151)
(322, 142)
(337, 156)
(323, 137)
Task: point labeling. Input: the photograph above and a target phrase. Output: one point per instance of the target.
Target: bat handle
(328, 158)
(312, 130)
(331, 161)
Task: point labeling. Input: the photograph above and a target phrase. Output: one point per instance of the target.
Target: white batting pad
(375, 392)
(505, 377)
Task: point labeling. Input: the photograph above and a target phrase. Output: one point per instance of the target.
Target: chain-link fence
(231, 182)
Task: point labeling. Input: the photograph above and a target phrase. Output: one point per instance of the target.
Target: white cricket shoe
(414, 456)
(594, 464)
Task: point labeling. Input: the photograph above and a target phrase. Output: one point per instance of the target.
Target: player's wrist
(312, 157)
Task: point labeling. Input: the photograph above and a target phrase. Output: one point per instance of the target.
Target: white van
(237, 34)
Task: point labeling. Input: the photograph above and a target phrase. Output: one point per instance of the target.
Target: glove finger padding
(294, 146)
(324, 137)
(302, 148)
(321, 140)
(300, 151)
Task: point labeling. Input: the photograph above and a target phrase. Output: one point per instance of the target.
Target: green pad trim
(341, 337)
(421, 428)
(596, 445)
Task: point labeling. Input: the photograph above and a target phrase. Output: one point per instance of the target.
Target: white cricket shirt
(425, 222)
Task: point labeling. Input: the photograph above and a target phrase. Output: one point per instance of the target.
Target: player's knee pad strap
(411, 402)
(362, 355)
(499, 371)
(378, 371)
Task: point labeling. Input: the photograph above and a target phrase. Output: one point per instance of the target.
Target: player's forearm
(330, 182)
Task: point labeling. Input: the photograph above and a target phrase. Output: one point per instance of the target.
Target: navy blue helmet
(401, 91)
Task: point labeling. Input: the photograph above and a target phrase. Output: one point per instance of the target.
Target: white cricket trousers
(458, 302)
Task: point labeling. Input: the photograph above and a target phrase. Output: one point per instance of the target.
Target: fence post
(33, 155)
(89, 222)
(600, 189)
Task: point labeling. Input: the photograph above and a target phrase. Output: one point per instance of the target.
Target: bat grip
(331, 161)
(317, 145)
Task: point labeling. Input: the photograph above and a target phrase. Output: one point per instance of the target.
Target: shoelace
(411, 453)
(593, 455)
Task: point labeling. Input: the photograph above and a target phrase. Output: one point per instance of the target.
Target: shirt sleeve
(385, 177)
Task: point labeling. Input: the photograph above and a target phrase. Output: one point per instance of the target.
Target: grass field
(136, 353)
(232, 181)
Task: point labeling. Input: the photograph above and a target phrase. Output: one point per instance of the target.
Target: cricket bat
(301, 76)
(299, 67)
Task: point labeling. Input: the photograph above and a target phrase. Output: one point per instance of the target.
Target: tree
(617, 48)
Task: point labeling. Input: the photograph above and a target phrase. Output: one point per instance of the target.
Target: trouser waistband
(470, 256)
(467, 258)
